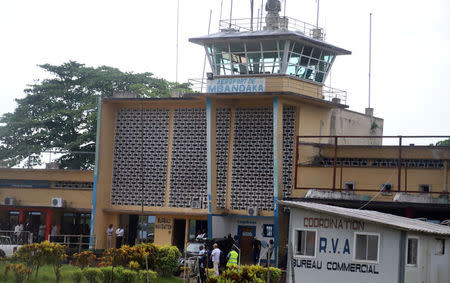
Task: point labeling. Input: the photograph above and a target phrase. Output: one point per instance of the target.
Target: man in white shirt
(109, 236)
(215, 257)
(119, 237)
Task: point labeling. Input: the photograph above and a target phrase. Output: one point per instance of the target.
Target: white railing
(79, 242)
(8, 237)
(286, 23)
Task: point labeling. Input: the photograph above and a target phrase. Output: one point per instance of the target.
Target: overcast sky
(410, 51)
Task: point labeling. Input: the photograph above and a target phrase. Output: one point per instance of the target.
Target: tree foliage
(60, 113)
(443, 143)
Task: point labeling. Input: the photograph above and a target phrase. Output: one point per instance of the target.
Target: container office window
(411, 256)
(305, 243)
(366, 246)
(440, 247)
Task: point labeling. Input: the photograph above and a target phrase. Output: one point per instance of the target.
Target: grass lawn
(47, 275)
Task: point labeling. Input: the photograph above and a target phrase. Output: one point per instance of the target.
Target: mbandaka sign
(229, 85)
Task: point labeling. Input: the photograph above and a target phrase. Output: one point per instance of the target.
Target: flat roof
(380, 218)
(268, 34)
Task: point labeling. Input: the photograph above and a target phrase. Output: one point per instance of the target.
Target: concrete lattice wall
(128, 151)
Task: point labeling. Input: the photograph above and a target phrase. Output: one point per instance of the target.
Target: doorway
(246, 235)
(179, 233)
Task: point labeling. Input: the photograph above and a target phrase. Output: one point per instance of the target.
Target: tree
(443, 143)
(60, 113)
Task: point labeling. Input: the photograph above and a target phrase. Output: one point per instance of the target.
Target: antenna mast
(178, 25)
(370, 52)
(231, 12)
(317, 19)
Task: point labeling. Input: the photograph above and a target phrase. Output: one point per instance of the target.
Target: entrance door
(132, 229)
(246, 234)
(179, 232)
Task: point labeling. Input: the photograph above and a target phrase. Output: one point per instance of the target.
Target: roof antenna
(317, 19)
(231, 12)
(178, 25)
(220, 19)
(369, 110)
(251, 15)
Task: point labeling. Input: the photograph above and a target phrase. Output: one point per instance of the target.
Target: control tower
(270, 53)
(266, 86)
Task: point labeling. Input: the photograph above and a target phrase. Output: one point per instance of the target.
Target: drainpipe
(445, 186)
(94, 191)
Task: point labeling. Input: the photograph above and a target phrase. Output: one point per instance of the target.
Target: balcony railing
(286, 23)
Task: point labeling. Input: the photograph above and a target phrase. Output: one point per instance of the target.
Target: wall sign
(236, 85)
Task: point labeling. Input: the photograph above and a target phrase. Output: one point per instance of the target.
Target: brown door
(246, 244)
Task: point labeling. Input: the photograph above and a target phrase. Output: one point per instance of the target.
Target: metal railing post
(399, 165)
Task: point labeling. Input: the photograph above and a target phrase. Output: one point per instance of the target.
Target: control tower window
(308, 62)
(253, 57)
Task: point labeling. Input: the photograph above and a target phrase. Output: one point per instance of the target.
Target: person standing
(41, 232)
(119, 237)
(256, 250)
(109, 236)
(202, 256)
(232, 258)
(215, 257)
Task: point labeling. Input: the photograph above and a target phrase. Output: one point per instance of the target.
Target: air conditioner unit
(252, 211)
(10, 201)
(196, 203)
(58, 202)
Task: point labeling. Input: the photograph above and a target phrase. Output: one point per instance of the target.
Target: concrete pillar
(48, 223)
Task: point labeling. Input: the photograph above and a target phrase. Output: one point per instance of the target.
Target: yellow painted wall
(368, 178)
(78, 199)
(408, 152)
(163, 230)
(75, 198)
(47, 174)
(290, 84)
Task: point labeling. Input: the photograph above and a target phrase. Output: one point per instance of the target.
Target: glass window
(269, 45)
(253, 46)
(268, 230)
(366, 247)
(298, 48)
(305, 242)
(411, 257)
(237, 47)
(316, 53)
(307, 51)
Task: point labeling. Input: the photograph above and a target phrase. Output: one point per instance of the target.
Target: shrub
(253, 273)
(128, 276)
(20, 271)
(93, 275)
(143, 254)
(84, 259)
(275, 275)
(54, 254)
(76, 275)
(107, 272)
(134, 265)
(167, 260)
(143, 275)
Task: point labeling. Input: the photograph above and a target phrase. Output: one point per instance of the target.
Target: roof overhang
(267, 35)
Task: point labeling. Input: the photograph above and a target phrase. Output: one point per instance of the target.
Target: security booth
(353, 245)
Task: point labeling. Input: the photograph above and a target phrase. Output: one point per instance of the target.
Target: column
(48, 223)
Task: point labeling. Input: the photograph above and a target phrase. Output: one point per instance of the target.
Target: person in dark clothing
(256, 250)
(202, 256)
